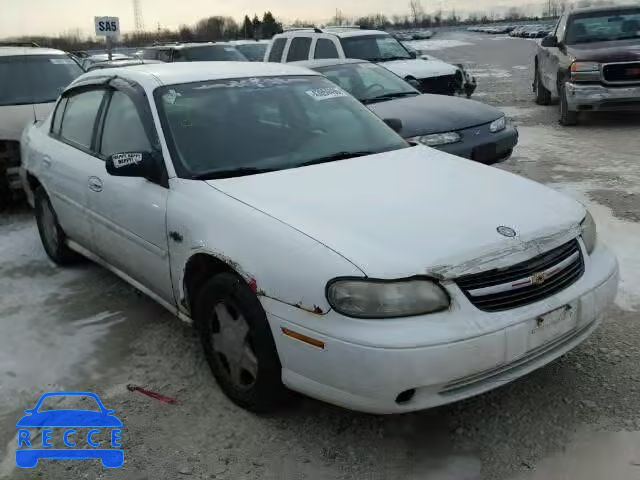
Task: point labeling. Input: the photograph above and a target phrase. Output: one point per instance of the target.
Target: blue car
(28, 456)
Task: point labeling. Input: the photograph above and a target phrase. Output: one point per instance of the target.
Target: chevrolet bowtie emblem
(538, 278)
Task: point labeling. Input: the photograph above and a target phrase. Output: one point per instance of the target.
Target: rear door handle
(95, 184)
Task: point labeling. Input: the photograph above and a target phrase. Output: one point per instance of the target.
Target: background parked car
(194, 52)
(254, 50)
(89, 60)
(459, 126)
(372, 45)
(31, 79)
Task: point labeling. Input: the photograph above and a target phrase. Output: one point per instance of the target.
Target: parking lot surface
(82, 328)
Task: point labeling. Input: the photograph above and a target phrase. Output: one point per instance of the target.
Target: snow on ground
(436, 44)
(489, 73)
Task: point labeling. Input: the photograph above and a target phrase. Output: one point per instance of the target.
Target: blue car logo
(65, 422)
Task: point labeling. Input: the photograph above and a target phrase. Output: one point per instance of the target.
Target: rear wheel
(52, 236)
(238, 343)
(567, 117)
(543, 96)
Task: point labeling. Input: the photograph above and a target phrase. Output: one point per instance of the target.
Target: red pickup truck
(591, 61)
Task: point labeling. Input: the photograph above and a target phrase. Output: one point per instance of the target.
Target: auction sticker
(326, 93)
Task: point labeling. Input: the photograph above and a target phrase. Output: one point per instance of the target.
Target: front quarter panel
(285, 264)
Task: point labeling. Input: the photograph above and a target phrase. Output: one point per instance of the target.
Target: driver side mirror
(413, 54)
(131, 164)
(550, 41)
(394, 123)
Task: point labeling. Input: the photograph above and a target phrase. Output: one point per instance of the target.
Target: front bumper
(366, 364)
(593, 97)
(481, 145)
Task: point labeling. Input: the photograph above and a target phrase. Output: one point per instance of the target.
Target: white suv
(31, 79)
(427, 75)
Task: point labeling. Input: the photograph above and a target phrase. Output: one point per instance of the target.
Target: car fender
(276, 260)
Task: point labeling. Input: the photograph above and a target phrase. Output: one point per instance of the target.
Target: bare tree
(417, 12)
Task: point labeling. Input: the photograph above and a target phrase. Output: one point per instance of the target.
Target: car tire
(543, 96)
(238, 344)
(567, 117)
(51, 234)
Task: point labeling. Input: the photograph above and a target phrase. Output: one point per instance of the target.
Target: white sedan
(311, 246)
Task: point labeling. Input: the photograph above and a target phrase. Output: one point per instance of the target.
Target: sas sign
(107, 26)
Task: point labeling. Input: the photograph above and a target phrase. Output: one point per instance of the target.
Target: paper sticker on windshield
(61, 61)
(326, 93)
(229, 49)
(171, 96)
(123, 159)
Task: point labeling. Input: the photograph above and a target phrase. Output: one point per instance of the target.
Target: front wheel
(567, 117)
(238, 343)
(52, 236)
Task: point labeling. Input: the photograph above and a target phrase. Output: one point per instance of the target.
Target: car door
(129, 214)
(69, 168)
(552, 56)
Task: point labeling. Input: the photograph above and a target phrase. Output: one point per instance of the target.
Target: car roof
(14, 51)
(152, 75)
(338, 32)
(329, 62)
(249, 42)
(180, 46)
(610, 8)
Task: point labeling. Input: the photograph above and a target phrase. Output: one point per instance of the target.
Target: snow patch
(436, 44)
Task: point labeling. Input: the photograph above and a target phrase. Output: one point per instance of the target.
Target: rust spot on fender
(315, 309)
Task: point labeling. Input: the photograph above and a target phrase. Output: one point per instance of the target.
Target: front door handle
(46, 161)
(95, 184)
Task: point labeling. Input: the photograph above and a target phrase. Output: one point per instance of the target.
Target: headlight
(437, 139)
(589, 233)
(585, 72)
(365, 298)
(498, 125)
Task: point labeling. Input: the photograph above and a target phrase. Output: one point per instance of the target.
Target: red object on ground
(149, 393)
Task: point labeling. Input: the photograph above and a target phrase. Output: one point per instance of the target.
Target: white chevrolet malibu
(311, 246)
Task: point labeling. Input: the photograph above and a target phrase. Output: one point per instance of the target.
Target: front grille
(526, 282)
(440, 85)
(622, 72)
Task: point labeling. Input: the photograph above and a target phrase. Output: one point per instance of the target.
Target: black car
(194, 52)
(459, 126)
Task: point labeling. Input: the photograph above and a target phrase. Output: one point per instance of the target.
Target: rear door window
(325, 48)
(299, 49)
(275, 55)
(28, 79)
(80, 117)
(164, 55)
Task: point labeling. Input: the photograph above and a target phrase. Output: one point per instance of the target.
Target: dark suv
(194, 52)
(591, 61)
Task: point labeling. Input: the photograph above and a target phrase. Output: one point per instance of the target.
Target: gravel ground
(86, 330)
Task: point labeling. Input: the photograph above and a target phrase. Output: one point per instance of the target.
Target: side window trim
(60, 109)
(78, 91)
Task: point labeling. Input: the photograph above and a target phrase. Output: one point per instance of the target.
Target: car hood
(419, 68)
(69, 418)
(424, 114)
(14, 118)
(606, 52)
(414, 211)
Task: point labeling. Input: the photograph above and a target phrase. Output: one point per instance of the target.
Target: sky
(52, 17)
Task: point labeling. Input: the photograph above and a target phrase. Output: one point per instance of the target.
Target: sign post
(108, 27)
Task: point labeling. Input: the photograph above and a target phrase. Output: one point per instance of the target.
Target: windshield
(76, 402)
(368, 82)
(375, 48)
(214, 53)
(28, 79)
(254, 52)
(268, 123)
(603, 26)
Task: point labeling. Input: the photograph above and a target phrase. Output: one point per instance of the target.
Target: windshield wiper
(232, 172)
(388, 96)
(335, 157)
(391, 59)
